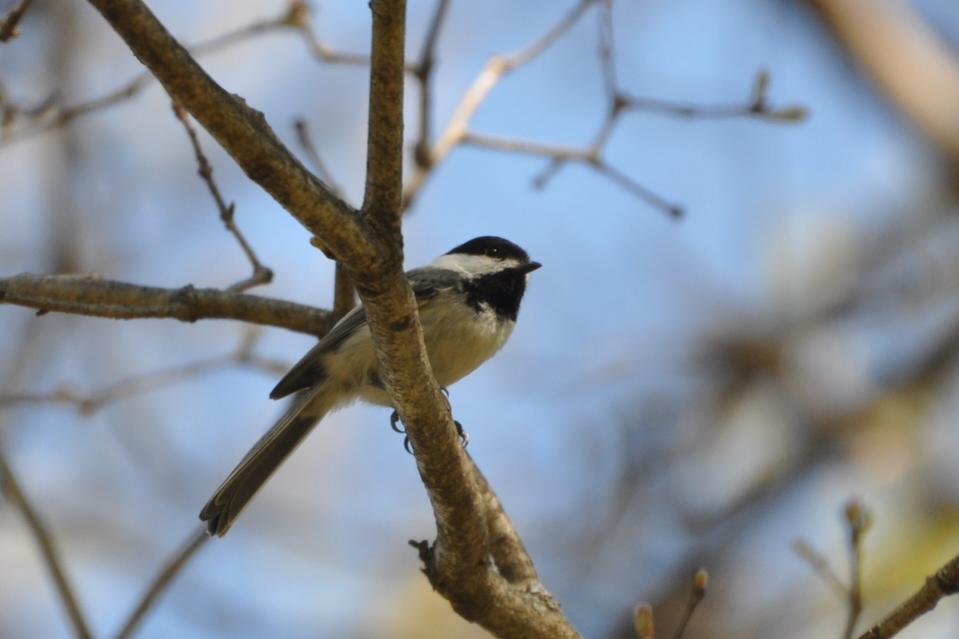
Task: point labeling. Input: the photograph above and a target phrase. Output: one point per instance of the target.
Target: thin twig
(424, 73)
(494, 71)
(261, 274)
(619, 102)
(48, 548)
(306, 142)
(820, 567)
(755, 106)
(560, 155)
(162, 581)
(858, 522)
(10, 21)
(696, 595)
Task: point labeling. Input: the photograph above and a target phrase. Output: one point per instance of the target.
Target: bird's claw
(394, 423)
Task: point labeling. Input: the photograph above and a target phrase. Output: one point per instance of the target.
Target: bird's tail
(267, 454)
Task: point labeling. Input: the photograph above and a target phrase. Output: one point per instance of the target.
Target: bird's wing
(309, 371)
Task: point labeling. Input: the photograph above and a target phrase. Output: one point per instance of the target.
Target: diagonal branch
(160, 583)
(244, 133)
(10, 486)
(943, 583)
(91, 295)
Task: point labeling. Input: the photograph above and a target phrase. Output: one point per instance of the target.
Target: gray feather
(309, 371)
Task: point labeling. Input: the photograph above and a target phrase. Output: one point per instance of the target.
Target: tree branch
(943, 583)
(244, 133)
(90, 295)
(458, 564)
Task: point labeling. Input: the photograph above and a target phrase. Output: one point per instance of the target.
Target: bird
(468, 300)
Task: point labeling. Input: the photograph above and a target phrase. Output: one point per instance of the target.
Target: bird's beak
(528, 267)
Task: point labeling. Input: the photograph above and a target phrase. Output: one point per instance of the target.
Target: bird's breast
(459, 338)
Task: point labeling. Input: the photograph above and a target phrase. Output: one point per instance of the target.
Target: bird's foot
(395, 425)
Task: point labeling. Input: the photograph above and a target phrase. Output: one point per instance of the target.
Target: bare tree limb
(162, 581)
(943, 583)
(91, 295)
(696, 595)
(51, 555)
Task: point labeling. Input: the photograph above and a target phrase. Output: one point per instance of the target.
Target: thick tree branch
(943, 583)
(244, 133)
(90, 295)
(459, 563)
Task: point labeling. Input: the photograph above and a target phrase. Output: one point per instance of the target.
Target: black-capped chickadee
(468, 300)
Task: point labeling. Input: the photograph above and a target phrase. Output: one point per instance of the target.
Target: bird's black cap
(491, 246)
